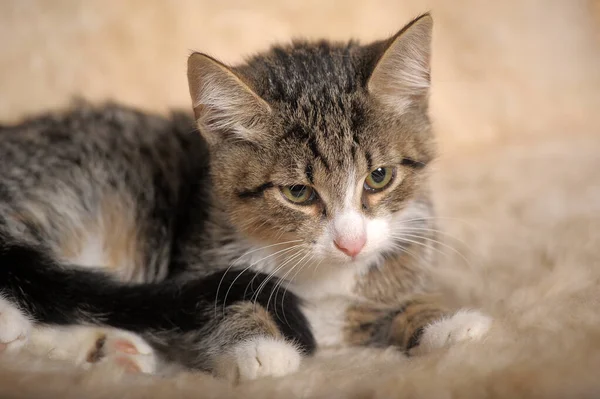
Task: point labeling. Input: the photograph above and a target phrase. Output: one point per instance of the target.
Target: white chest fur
(325, 304)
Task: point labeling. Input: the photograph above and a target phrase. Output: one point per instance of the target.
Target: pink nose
(351, 247)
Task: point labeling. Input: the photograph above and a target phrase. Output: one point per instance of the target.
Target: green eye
(298, 194)
(379, 179)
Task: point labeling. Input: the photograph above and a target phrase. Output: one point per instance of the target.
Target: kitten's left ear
(401, 75)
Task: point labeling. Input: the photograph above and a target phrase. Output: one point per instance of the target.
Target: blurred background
(515, 103)
(500, 68)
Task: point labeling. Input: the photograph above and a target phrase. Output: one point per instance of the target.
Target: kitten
(317, 178)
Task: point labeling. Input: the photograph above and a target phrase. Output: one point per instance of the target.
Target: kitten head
(319, 149)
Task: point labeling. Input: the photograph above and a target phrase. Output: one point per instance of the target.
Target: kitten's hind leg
(88, 346)
(125, 350)
(15, 327)
(80, 345)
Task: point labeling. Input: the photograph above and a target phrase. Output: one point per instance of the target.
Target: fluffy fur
(527, 244)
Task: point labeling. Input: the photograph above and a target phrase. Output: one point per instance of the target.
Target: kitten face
(319, 150)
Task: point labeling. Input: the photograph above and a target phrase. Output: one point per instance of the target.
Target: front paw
(464, 325)
(258, 357)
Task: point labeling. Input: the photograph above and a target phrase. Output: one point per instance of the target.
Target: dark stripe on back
(255, 192)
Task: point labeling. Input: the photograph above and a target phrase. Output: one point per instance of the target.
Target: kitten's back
(98, 185)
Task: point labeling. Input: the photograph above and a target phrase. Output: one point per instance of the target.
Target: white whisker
(287, 287)
(273, 274)
(244, 270)
(460, 254)
(403, 249)
(261, 248)
(436, 231)
(283, 278)
(433, 218)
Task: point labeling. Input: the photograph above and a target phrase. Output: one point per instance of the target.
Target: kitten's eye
(298, 194)
(379, 179)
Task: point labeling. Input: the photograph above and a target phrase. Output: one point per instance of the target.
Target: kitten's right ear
(224, 105)
(401, 75)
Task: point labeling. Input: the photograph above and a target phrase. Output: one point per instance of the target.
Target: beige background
(516, 105)
(499, 68)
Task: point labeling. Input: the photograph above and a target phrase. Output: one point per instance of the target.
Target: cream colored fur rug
(516, 104)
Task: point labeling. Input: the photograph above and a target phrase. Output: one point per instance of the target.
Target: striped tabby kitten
(315, 188)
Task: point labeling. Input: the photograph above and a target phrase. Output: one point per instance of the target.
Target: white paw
(259, 357)
(124, 350)
(462, 326)
(15, 327)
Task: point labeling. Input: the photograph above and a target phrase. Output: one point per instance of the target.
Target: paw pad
(128, 364)
(127, 351)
